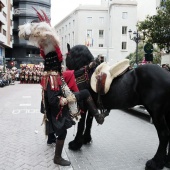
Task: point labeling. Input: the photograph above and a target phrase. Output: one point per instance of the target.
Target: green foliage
(156, 27)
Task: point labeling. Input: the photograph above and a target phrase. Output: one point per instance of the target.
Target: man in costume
(22, 74)
(60, 104)
(13, 73)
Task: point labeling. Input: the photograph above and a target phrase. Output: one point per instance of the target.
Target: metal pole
(137, 41)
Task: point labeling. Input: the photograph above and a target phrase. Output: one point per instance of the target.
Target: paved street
(123, 142)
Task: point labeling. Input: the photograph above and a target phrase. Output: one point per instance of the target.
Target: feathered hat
(44, 18)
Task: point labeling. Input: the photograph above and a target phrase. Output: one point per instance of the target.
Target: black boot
(58, 150)
(93, 110)
(51, 141)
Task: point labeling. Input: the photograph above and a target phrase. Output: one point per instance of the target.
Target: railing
(4, 2)
(2, 18)
(18, 11)
(2, 38)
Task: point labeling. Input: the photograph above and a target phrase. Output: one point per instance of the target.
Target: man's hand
(71, 99)
(63, 101)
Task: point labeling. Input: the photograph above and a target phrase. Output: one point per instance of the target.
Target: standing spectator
(165, 66)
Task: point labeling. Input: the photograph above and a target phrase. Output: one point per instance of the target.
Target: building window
(4, 14)
(66, 27)
(69, 38)
(89, 39)
(100, 45)
(73, 22)
(0, 27)
(124, 44)
(124, 15)
(69, 25)
(62, 40)
(89, 20)
(101, 20)
(10, 37)
(4, 32)
(89, 33)
(65, 38)
(101, 33)
(124, 30)
(73, 38)
(0, 51)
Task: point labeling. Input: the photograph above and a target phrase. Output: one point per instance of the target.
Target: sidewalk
(123, 142)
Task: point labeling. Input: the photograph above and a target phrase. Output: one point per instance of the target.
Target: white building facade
(6, 25)
(103, 28)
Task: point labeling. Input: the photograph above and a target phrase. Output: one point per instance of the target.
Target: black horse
(82, 74)
(147, 85)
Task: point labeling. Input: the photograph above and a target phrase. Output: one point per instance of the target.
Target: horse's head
(78, 57)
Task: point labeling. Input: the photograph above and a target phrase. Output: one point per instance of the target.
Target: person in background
(166, 67)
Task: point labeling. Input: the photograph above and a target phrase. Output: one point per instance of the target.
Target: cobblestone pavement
(123, 142)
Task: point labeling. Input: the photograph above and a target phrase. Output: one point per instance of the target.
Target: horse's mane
(78, 56)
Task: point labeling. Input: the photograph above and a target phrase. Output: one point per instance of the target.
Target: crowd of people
(8, 77)
(26, 74)
(30, 74)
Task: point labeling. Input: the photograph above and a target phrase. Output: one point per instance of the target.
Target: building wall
(117, 21)
(111, 27)
(111, 11)
(144, 7)
(5, 28)
(23, 12)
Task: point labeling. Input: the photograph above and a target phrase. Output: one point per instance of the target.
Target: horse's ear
(68, 47)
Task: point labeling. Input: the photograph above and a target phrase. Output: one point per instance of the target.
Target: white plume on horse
(40, 35)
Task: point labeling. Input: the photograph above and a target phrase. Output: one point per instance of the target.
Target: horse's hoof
(167, 162)
(73, 145)
(87, 140)
(151, 165)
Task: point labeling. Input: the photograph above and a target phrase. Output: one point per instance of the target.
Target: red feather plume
(46, 17)
(41, 18)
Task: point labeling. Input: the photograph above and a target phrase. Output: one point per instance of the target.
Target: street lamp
(136, 37)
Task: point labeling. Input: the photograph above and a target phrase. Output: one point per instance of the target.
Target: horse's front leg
(167, 164)
(77, 143)
(158, 161)
(168, 148)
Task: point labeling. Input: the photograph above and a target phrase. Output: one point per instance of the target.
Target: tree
(141, 55)
(132, 56)
(156, 27)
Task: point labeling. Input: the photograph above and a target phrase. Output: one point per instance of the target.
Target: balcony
(2, 19)
(2, 39)
(2, 3)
